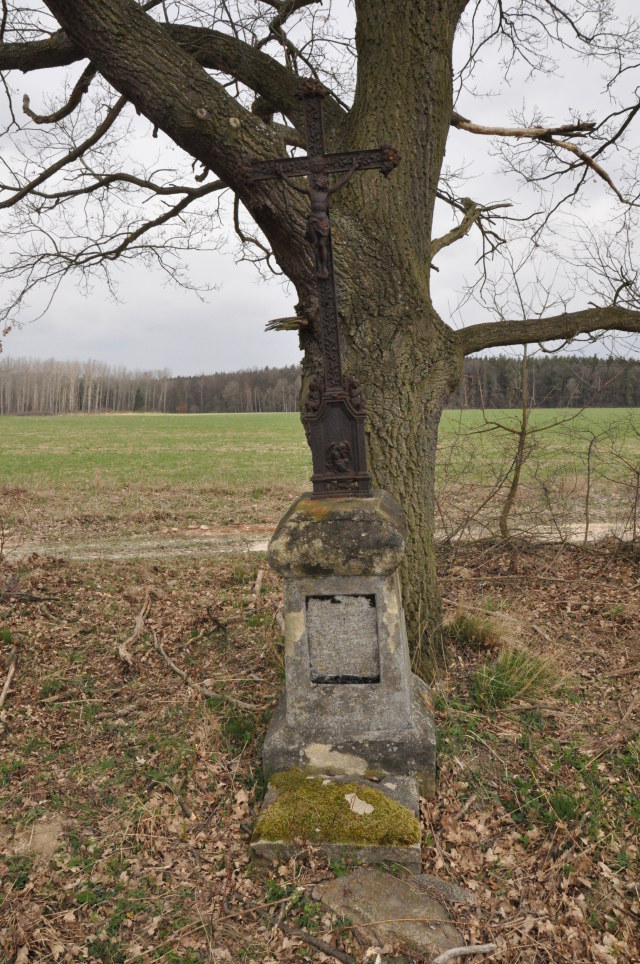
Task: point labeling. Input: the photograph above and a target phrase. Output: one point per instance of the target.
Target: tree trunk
(407, 362)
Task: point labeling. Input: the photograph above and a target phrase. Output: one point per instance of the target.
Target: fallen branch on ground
(121, 649)
(454, 952)
(317, 943)
(257, 587)
(13, 659)
(240, 704)
(625, 672)
(184, 806)
(25, 596)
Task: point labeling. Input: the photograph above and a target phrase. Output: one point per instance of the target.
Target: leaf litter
(153, 786)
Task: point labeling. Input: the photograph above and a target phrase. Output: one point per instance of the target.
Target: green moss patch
(310, 809)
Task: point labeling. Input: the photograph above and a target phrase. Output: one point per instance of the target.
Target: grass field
(127, 794)
(93, 474)
(61, 476)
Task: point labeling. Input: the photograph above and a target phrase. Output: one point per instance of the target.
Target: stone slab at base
(349, 819)
(408, 752)
(391, 910)
(277, 852)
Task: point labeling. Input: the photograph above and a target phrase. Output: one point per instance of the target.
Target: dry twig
(121, 649)
(455, 952)
(317, 943)
(631, 671)
(240, 704)
(258, 585)
(13, 659)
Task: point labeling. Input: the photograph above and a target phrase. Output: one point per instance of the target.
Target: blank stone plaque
(343, 639)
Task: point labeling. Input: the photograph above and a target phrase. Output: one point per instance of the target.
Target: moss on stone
(344, 536)
(314, 810)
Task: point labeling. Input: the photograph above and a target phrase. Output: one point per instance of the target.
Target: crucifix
(334, 411)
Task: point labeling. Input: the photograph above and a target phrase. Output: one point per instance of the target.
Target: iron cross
(334, 411)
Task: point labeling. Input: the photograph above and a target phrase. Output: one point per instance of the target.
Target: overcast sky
(155, 326)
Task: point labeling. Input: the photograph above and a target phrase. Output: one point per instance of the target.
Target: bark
(554, 328)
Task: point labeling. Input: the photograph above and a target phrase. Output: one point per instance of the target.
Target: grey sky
(155, 326)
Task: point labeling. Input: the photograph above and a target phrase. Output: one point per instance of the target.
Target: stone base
(388, 909)
(410, 752)
(349, 819)
(401, 856)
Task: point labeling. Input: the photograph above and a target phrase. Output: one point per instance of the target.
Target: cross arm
(283, 167)
(383, 159)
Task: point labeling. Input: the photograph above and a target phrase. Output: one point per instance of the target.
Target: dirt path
(221, 540)
(181, 543)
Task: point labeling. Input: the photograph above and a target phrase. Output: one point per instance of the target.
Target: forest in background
(50, 387)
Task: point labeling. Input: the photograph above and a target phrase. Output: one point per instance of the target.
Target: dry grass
(514, 675)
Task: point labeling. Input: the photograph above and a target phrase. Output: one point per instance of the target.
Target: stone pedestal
(351, 706)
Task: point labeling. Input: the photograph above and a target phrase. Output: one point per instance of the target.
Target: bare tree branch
(121, 177)
(3, 22)
(547, 136)
(73, 155)
(473, 213)
(77, 94)
(564, 326)
(246, 239)
(533, 133)
(139, 58)
(285, 9)
(55, 51)
(212, 49)
(168, 215)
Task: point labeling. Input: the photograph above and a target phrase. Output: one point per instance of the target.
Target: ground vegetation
(128, 795)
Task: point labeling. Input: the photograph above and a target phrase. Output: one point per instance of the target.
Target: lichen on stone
(315, 810)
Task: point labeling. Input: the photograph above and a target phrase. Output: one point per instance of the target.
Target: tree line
(553, 381)
(35, 387)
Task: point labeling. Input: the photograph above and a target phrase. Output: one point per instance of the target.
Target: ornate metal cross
(334, 411)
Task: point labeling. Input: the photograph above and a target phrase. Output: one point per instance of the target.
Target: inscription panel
(343, 639)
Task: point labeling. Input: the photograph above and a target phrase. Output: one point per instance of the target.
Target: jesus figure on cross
(318, 191)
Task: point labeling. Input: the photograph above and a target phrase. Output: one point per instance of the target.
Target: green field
(60, 474)
(234, 450)
(98, 473)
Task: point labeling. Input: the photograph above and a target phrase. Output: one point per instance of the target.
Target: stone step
(347, 817)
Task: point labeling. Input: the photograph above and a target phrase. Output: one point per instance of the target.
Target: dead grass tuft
(514, 675)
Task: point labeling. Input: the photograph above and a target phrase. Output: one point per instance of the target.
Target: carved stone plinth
(351, 707)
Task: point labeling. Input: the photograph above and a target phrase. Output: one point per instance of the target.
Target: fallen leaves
(113, 749)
